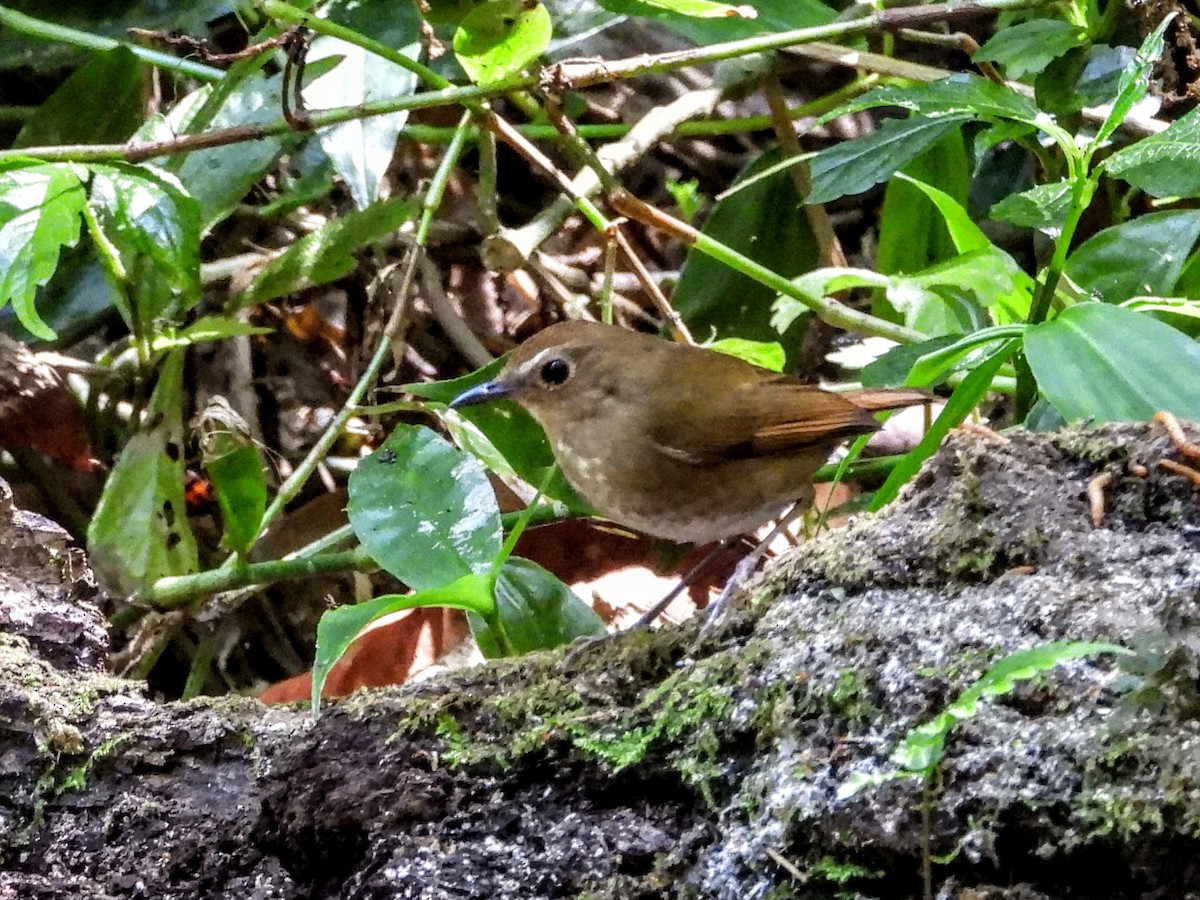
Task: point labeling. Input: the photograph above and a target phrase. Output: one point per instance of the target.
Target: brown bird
(674, 441)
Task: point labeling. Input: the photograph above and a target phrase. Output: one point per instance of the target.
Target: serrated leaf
(500, 38)
(963, 94)
(328, 253)
(1104, 363)
(1163, 165)
(1135, 80)
(1043, 207)
(1030, 46)
(424, 510)
(139, 531)
(155, 226)
(853, 167)
(40, 213)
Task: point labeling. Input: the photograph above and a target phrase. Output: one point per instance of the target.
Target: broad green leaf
(1144, 256)
(1028, 47)
(40, 210)
(424, 510)
(1084, 76)
(964, 399)
(997, 280)
(1104, 363)
(139, 531)
(507, 430)
(536, 610)
(100, 103)
(155, 227)
(219, 178)
(856, 166)
(766, 222)
(361, 150)
(500, 38)
(1163, 165)
(338, 628)
(328, 253)
(1043, 207)
(912, 232)
(231, 458)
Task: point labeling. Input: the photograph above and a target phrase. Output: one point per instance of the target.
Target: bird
(676, 441)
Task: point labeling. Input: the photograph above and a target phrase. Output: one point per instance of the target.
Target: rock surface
(656, 767)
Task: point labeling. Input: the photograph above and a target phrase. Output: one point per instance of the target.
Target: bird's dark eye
(555, 371)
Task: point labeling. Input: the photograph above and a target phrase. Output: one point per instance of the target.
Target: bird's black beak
(481, 393)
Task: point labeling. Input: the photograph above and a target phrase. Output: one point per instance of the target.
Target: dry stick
(828, 245)
(615, 237)
(457, 330)
(958, 40)
(511, 248)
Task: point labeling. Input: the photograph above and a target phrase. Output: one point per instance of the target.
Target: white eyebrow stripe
(533, 362)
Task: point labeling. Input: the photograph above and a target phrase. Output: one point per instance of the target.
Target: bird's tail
(875, 399)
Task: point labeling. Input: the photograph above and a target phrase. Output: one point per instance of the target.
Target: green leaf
(100, 103)
(424, 510)
(139, 532)
(231, 458)
(767, 354)
(1143, 256)
(328, 253)
(338, 628)
(924, 746)
(206, 328)
(964, 399)
(155, 227)
(853, 167)
(500, 38)
(773, 16)
(1135, 80)
(1163, 165)
(1104, 363)
(361, 150)
(1030, 46)
(764, 221)
(501, 434)
(536, 610)
(40, 210)
(1043, 207)
(938, 363)
(699, 9)
(965, 95)
(220, 178)
(892, 367)
(912, 231)
(1084, 76)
